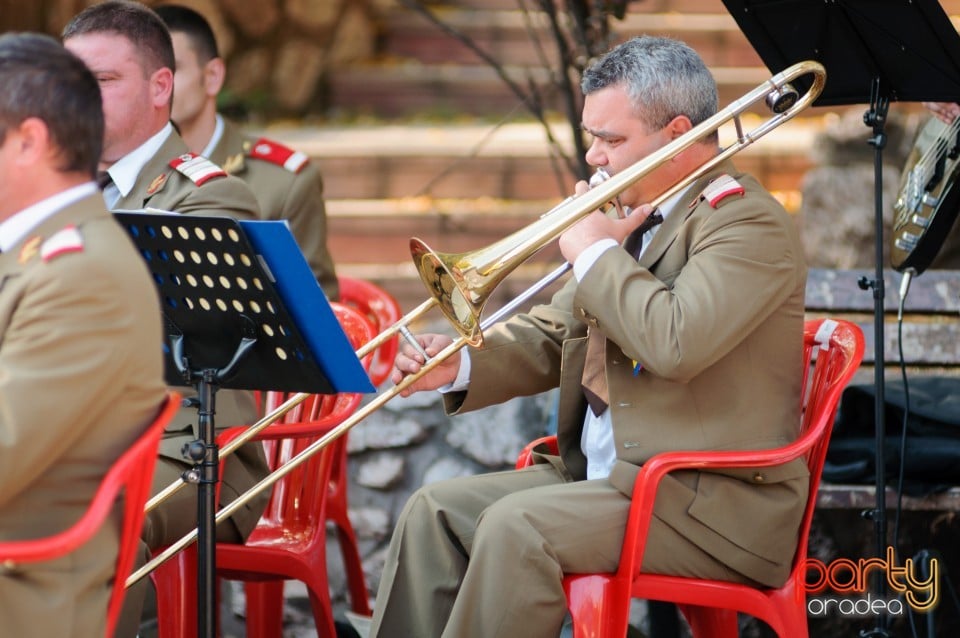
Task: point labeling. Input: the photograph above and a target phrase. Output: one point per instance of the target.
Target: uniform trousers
(485, 555)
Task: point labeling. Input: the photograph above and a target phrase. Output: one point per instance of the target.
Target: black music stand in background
(874, 51)
(242, 310)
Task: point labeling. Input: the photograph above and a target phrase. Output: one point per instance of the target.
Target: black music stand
(874, 51)
(242, 310)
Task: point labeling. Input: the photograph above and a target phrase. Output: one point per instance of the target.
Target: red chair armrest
(525, 457)
(656, 468)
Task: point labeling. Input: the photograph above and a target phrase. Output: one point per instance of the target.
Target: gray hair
(664, 78)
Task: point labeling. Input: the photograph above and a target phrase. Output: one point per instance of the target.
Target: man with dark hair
(685, 335)
(81, 369)
(287, 185)
(128, 48)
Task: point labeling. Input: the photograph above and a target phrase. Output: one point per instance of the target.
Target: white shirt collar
(125, 171)
(214, 139)
(16, 227)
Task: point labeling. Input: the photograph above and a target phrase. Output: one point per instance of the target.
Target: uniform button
(758, 478)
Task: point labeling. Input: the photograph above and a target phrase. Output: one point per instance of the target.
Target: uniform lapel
(228, 152)
(685, 207)
(153, 175)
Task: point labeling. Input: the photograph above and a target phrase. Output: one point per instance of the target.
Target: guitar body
(928, 199)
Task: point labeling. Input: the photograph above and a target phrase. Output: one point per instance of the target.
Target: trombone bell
(460, 297)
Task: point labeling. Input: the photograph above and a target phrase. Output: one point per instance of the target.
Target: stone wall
(278, 52)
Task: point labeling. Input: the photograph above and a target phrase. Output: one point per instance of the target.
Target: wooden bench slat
(835, 496)
(931, 292)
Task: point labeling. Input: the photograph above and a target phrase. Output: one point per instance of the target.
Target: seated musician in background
(287, 185)
(699, 344)
(81, 369)
(948, 254)
(128, 48)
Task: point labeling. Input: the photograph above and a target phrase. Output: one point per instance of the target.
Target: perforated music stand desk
(874, 52)
(242, 310)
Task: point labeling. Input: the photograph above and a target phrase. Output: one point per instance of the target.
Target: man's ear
(214, 75)
(161, 84)
(678, 126)
(30, 140)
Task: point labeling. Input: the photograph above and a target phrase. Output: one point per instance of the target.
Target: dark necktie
(110, 195)
(594, 380)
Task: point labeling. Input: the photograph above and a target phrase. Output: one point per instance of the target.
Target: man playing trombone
(693, 345)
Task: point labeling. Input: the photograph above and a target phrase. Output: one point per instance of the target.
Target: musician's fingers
(945, 111)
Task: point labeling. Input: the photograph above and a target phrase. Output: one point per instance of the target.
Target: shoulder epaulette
(65, 240)
(276, 153)
(197, 168)
(719, 188)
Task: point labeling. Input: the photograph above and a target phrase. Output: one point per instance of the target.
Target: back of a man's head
(180, 19)
(136, 22)
(43, 80)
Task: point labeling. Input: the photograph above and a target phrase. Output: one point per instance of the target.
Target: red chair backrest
(131, 474)
(383, 311)
(838, 346)
(297, 499)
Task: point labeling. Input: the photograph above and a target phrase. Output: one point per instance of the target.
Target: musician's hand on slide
(409, 361)
(945, 111)
(597, 226)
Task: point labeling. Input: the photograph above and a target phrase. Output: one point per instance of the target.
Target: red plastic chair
(289, 542)
(383, 311)
(600, 603)
(132, 474)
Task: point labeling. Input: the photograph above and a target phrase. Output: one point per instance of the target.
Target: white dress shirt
(215, 138)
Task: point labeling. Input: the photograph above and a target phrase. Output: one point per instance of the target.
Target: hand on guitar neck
(946, 112)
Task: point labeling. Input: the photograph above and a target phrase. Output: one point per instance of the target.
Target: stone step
(513, 37)
(424, 69)
(509, 162)
(411, 89)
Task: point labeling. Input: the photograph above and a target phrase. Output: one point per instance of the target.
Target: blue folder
(307, 305)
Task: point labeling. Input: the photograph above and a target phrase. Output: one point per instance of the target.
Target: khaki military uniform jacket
(81, 376)
(287, 186)
(713, 313)
(161, 186)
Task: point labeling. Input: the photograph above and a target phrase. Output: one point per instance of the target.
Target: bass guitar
(928, 199)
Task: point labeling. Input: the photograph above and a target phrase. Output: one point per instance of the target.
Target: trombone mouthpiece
(598, 177)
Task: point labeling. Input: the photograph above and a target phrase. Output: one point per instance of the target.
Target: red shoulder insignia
(199, 169)
(720, 188)
(278, 154)
(66, 240)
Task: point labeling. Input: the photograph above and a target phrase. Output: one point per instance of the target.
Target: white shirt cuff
(589, 256)
(462, 382)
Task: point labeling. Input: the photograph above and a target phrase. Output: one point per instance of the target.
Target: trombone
(461, 283)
